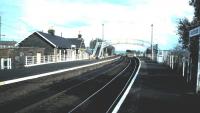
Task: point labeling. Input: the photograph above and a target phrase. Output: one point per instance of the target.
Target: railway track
(106, 99)
(96, 91)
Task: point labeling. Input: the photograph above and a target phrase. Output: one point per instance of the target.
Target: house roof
(8, 43)
(60, 42)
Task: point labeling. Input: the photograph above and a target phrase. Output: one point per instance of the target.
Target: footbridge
(99, 52)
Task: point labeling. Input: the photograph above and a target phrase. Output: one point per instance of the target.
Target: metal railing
(34, 60)
(179, 64)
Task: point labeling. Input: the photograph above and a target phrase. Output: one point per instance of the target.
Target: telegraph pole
(102, 32)
(0, 28)
(152, 41)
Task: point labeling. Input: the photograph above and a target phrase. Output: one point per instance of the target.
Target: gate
(6, 63)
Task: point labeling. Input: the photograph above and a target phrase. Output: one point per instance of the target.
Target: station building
(53, 44)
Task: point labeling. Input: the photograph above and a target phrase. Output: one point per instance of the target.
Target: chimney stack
(79, 35)
(51, 32)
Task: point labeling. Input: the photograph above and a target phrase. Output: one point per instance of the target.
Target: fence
(39, 60)
(180, 64)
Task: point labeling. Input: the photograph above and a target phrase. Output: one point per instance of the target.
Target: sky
(125, 21)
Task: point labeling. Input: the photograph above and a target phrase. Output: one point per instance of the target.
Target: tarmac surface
(50, 93)
(29, 71)
(158, 89)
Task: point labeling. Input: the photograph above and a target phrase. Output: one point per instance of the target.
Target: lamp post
(1, 35)
(102, 43)
(0, 28)
(152, 41)
(102, 32)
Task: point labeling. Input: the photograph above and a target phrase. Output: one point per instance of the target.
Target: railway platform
(158, 89)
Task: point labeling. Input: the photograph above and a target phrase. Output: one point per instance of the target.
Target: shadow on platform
(158, 89)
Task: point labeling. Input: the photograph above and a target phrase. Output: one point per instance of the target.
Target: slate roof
(8, 43)
(60, 42)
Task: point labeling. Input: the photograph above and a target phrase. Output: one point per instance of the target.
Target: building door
(38, 58)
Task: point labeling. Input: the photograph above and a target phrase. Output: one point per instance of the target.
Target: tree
(192, 44)
(196, 19)
(196, 5)
(128, 51)
(183, 32)
(184, 26)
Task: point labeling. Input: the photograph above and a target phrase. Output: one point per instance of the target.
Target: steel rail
(122, 95)
(72, 110)
(66, 90)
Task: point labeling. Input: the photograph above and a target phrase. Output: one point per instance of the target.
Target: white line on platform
(116, 109)
(51, 73)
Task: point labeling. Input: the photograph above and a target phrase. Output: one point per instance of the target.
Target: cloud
(124, 20)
